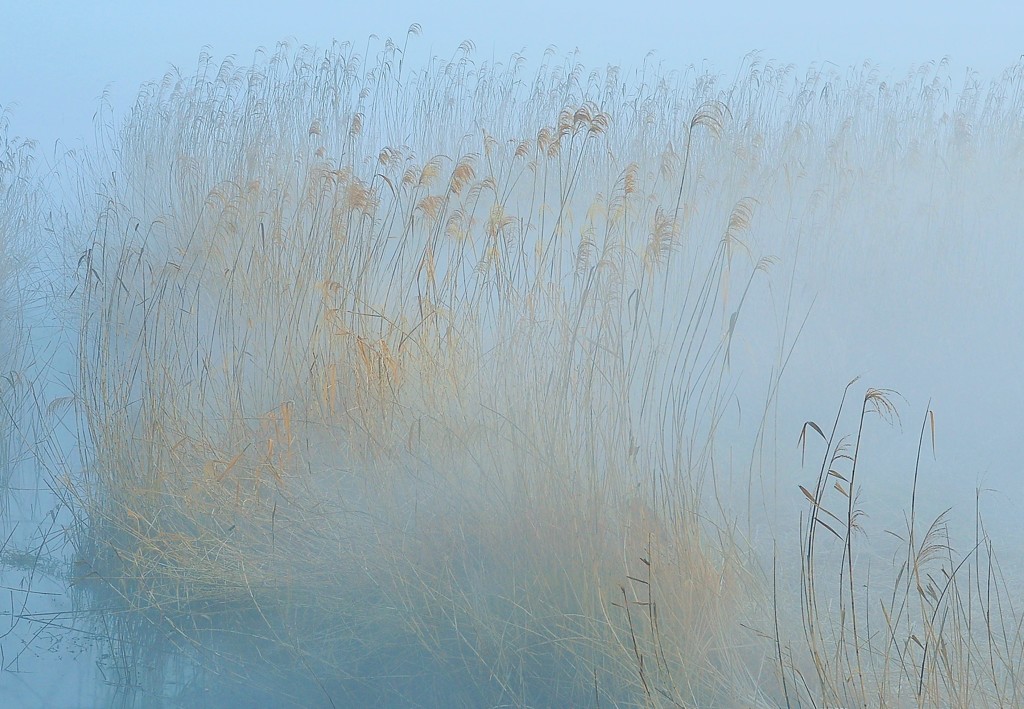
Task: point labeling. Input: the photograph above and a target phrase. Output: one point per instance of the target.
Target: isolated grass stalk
(18, 216)
(928, 646)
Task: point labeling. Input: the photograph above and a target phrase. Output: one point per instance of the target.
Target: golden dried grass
(407, 405)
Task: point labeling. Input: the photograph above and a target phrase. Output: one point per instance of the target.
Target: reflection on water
(69, 639)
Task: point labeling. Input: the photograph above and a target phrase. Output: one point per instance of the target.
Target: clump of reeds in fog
(424, 385)
(419, 374)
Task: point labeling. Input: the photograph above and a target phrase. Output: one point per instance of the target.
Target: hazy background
(57, 58)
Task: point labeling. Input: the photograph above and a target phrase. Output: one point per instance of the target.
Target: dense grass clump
(437, 422)
(422, 387)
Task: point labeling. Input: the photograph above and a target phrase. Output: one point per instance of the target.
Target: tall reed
(939, 627)
(18, 214)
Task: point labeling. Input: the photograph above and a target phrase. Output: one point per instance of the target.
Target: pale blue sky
(56, 58)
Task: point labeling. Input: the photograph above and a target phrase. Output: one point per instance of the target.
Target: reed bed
(416, 384)
(402, 408)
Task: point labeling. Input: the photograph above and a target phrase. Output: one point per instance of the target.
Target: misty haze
(331, 378)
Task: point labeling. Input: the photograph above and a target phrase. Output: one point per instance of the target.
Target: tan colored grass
(424, 376)
(376, 399)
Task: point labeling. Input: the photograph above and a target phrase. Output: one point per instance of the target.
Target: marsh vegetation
(463, 385)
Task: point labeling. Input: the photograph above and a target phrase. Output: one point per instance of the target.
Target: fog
(65, 56)
(355, 371)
